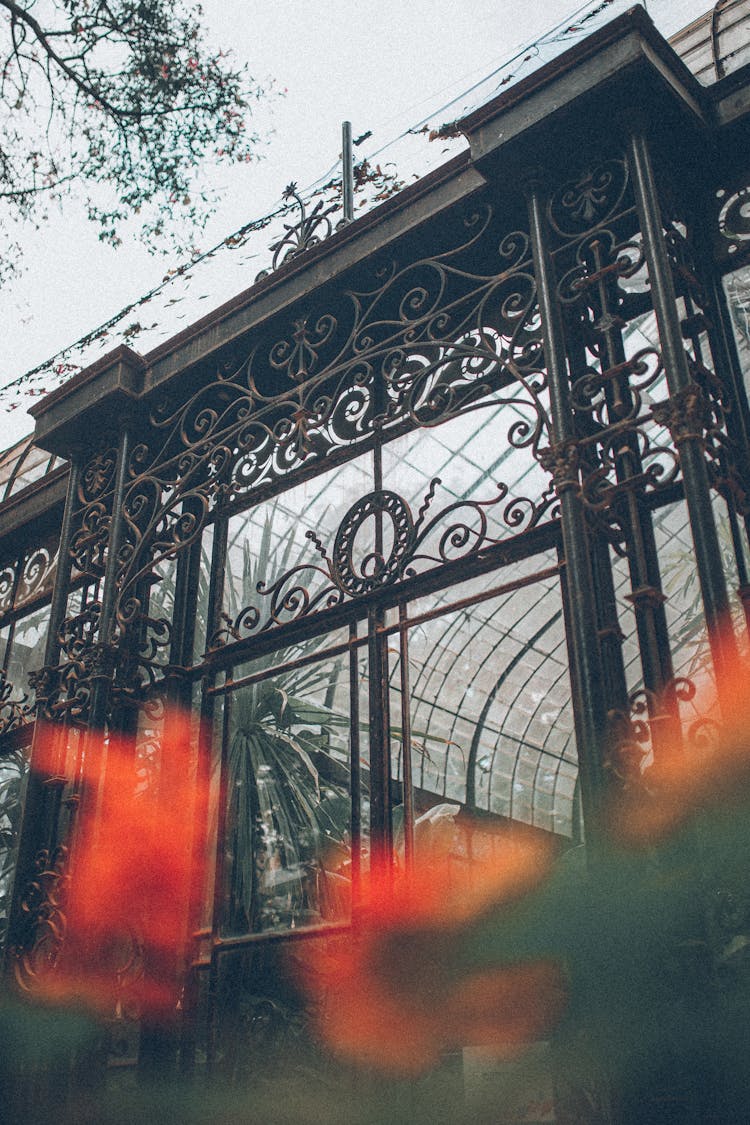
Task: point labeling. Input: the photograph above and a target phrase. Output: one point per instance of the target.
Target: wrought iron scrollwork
(686, 414)
(300, 236)
(37, 954)
(7, 588)
(64, 689)
(43, 918)
(428, 341)
(590, 199)
(89, 541)
(15, 709)
(633, 734)
(734, 220)
(603, 288)
(36, 576)
(358, 564)
(27, 578)
(707, 413)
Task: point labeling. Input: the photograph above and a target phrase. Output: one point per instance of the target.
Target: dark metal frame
(498, 281)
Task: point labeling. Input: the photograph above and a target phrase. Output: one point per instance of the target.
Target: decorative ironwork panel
(354, 565)
(427, 341)
(732, 224)
(27, 579)
(94, 513)
(615, 360)
(65, 688)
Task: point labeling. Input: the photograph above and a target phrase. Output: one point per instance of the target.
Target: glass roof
(22, 465)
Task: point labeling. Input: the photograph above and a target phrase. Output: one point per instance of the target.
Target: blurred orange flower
(127, 898)
(395, 994)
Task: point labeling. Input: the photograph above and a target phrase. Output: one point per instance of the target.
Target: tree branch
(21, 15)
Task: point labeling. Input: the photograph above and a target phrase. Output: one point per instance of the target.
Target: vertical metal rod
(381, 831)
(592, 714)
(184, 611)
(679, 381)
(406, 771)
(219, 882)
(347, 177)
(355, 770)
(729, 369)
(109, 590)
(646, 593)
(101, 677)
(610, 635)
(59, 603)
(201, 841)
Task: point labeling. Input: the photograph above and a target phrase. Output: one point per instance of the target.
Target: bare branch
(22, 16)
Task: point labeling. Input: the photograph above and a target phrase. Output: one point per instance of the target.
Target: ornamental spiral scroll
(43, 932)
(308, 231)
(394, 547)
(633, 733)
(43, 919)
(16, 708)
(7, 587)
(27, 578)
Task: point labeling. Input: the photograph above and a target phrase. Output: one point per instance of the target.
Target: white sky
(384, 66)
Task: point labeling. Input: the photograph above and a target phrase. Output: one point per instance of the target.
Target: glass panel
(37, 575)
(288, 841)
(491, 714)
(34, 466)
(201, 593)
(737, 286)
(27, 650)
(12, 779)
(9, 460)
(483, 455)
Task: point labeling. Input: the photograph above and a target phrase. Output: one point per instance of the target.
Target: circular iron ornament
(373, 569)
(734, 220)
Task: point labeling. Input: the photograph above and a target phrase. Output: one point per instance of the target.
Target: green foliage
(121, 99)
(283, 816)
(12, 772)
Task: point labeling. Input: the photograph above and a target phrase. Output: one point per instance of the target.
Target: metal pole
(406, 765)
(684, 413)
(355, 769)
(562, 460)
(64, 561)
(347, 178)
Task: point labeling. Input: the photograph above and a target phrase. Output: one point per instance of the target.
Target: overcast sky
(382, 66)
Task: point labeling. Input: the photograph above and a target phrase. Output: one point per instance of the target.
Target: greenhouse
(423, 532)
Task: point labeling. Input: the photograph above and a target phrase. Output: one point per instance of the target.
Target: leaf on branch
(128, 105)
